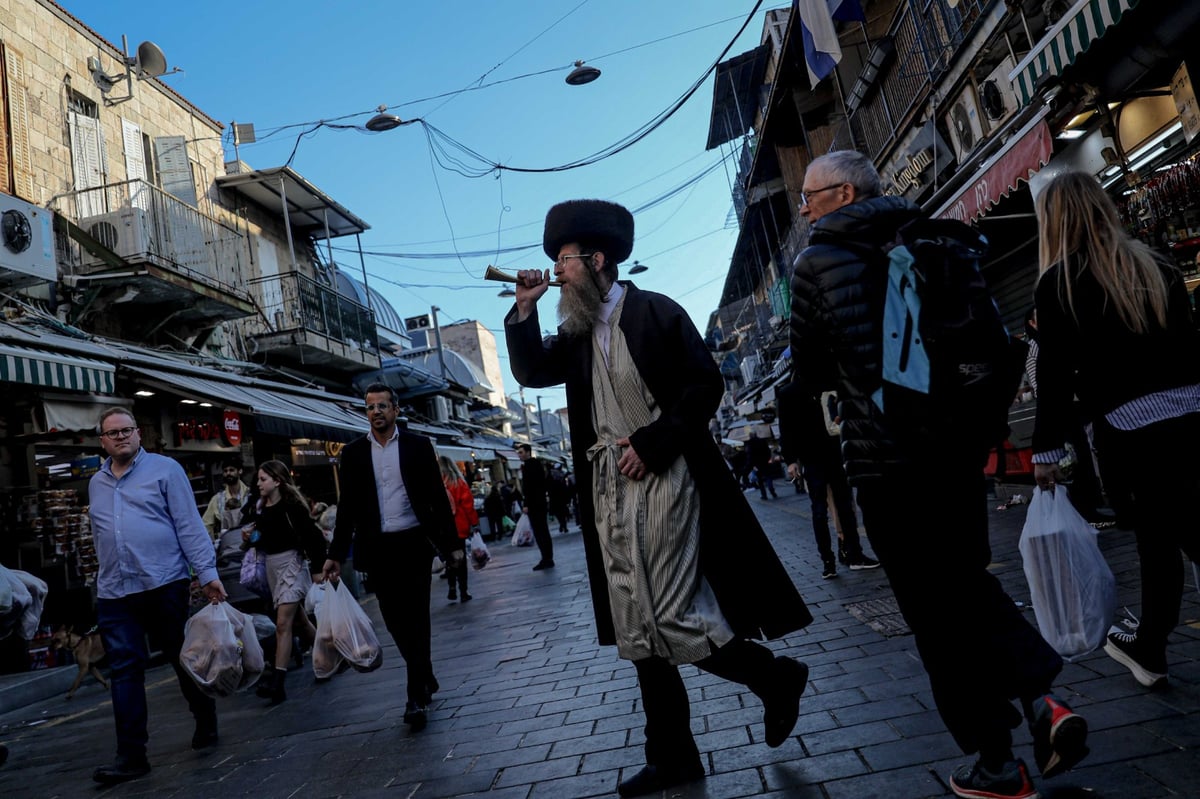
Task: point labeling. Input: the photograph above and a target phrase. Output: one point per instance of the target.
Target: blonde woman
(286, 533)
(1115, 330)
(462, 501)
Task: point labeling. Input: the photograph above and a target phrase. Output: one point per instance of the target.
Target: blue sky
(276, 65)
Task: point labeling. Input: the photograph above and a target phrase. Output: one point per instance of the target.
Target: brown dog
(88, 650)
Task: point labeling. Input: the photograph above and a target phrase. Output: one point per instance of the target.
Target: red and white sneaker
(976, 782)
(1059, 735)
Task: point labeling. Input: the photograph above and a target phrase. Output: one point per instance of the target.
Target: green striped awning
(1083, 24)
(55, 370)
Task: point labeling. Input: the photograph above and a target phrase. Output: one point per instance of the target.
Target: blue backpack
(950, 368)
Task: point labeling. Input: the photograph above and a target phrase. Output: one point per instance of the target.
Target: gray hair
(851, 166)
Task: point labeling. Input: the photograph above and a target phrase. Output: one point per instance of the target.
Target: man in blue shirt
(147, 532)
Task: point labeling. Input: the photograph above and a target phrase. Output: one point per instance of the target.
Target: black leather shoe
(655, 779)
(205, 734)
(414, 716)
(781, 707)
(543, 564)
(123, 770)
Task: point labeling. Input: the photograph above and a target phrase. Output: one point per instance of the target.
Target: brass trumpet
(493, 273)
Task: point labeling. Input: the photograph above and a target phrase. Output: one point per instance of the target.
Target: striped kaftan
(649, 529)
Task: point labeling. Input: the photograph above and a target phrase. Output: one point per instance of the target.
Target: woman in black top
(1115, 330)
(280, 527)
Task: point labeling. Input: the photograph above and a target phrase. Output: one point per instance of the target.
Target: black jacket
(838, 288)
(358, 509)
(533, 483)
(754, 591)
(1092, 355)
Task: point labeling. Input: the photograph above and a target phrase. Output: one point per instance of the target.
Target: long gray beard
(579, 307)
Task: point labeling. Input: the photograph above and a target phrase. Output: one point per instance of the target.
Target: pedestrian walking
(826, 477)
(534, 487)
(148, 534)
(280, 526)
(680, 569)
(758, 454)
(495, 510)
(462, 503)
(556, 490)
(1115, 330)
(923, 500)
(394, 510)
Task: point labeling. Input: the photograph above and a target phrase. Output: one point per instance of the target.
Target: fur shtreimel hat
(607, 224)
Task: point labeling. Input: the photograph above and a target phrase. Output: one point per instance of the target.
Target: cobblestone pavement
(531, 707)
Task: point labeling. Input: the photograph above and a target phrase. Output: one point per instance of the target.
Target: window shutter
(174, 171)
(5, 162)
(87, 158)
(18, 124)
(135, 164)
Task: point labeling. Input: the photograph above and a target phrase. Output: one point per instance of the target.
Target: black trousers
(124, 624)
(979, 651)
(669, 741)
(402, 587)
(541, 533)
(1158, 465)
(821, 479)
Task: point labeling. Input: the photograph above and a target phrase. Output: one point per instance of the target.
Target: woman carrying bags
(1115, 330)
(462, 501)
(280, 526)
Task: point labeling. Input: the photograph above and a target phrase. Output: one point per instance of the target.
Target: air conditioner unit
(26, 243)
(750, 366)
(997, 100)
(963, 120)
(442, 409)
(127, 232)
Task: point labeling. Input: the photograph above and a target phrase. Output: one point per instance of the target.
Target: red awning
(1019, 159)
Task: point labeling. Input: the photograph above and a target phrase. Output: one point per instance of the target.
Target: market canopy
(55, 370)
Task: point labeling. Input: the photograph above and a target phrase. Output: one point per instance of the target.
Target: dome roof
(386, 317)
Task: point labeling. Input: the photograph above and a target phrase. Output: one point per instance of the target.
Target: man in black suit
(533, 482)
(395, 511)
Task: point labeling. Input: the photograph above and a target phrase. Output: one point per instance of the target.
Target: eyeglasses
(379, 406)
(121, 432)
(562, 259)
(804, 195)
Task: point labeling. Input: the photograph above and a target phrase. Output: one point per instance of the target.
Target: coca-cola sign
(233, 428)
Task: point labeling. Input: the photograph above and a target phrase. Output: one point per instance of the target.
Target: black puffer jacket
(838, 290)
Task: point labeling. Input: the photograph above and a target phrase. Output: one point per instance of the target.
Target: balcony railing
(141, 223)
(293, 301)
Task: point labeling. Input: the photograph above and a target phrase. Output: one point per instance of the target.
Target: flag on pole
(821, 49)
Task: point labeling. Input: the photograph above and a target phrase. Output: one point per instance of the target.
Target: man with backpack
(919, 362)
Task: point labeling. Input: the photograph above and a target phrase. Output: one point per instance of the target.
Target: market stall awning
(1020, 158)
(55, 370)
(1075, 32)
(465, 454)
(276, 412)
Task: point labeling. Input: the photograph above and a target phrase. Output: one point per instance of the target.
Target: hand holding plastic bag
(221, 650)
(479, 551)
(1073, 591)
(523, 535)
(352, 632)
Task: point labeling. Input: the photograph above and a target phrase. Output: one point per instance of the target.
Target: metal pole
(362, 262)
(525, 408)
(437, 331)
(287, 221)
(328, 241)
(541, 420)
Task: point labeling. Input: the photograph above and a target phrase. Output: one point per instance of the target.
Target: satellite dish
(150, 61)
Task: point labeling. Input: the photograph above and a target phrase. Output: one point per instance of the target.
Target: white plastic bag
(523, 535)
(326, 659)
(479, 551)
(1073, 591)
(16, 601)
(351, 630)
(221, 650)
(313, 599)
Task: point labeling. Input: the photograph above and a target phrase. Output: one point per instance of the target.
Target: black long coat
(755, 593)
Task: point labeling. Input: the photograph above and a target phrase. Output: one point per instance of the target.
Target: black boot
(274, 689)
